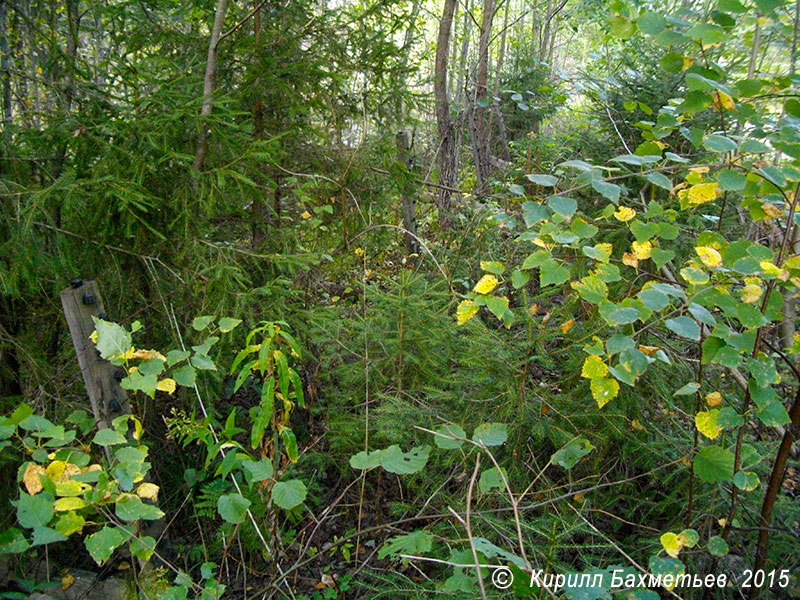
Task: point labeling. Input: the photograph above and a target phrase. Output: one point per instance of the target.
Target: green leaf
(719, 143)
(366, 460)
(707, 33)
(490, 434)
(746, 481)
(143, 548)
(498, 305)
(591, 288)
(519, 278)
(414, 543)
(12, 541)
(185, 375)
(233, 507)
(653, 299)
(660, 180)
(730, 180)
(129, 507)
(108, 437)
(490, 480)
(200, 323)
(774, 414)
(569, 455)
(258, 470)
(651, 23)
(289, 443)
(671, 62)
(684, 327)
(176, 356)
(717, 546)
(608, 190)
(534, 212)
(289, 494)
(565, 207)
(203, 362)
(688, 389)
(452, 431)
(552, 273)
(542, 180)
(34, 511)
(396, 461)
(623, 316)
(112, 338)
(103, 543)
(714, 464)
(227, 324)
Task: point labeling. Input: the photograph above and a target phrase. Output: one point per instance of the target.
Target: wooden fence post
(81, 301)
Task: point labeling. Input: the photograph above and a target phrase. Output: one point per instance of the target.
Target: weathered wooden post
(81, 301)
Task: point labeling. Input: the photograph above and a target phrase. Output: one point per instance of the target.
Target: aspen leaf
(713, 399)
(751, 293)
(624, 214)
(672, 544)
(722, 101)
(701, 193)
(567, 325)
(709, 257)
(603, 390)
(31, 478)
(305, 214)
(465, 311)
(630, 260)
(148, 490)
(166, 385)
(771, 211)
(648, 350)
(594, 367)
(485, 284)
(706, 423)
(641, 251)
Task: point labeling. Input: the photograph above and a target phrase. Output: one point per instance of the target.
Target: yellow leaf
(533, 309)
(624, 214)
(485, 284)
(637, 425)
(672, 544)
(710, 257)
(630, 260)
(567, 325)
(594, 367)
(145, 354)
(688, 61)
(305, 214)
(641, 251)
(166, 385)
(772, 211)
(93, 337)
(542, 244)
(699, 170)
(751, 293)
(721, 100)
(70, 503)
(60, 471)
(31, 478)
(148, 490)
(649, 350)
(713, 399)
(67, 581)
(702, 193)
(465, 311)
(706, 423)
(604, 390)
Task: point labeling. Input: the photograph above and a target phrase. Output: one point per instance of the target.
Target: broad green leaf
(233, 507)
(289, 443)
(490, 480)
(519, 278)
(660, 180)
(553, 274)
(685, 327)
(103, 543)
(542, 180)
(200, 323)
(714, 464)
(706, 423)
(594, 367)
(730, 180)
(569, 455)
(46, 535)
(143, 548)
(608, 190)
(603, 390)
(394, 460)
(289, 494)
(746, 481)
(414, 543)
(108, 437)
(565, 207)
(366, 460)
(717, 546)
(591, 288)
(498, 305)
(719, 143)
(185, 375)
(34, 511)
(452, 431)
(227, 324)
(653, 299)
(490, 434)
(12, 541)
(112, 339)
(259, 470)
(129, 507)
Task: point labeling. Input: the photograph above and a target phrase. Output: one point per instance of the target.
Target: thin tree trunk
(497, 111)
(447, 144)
(460, 96)
(257, 210)
(481, 136)
(4, 67)
(409, 217)
(208, 83)
(544, 43)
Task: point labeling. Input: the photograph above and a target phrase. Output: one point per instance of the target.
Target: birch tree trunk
(481, 136)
